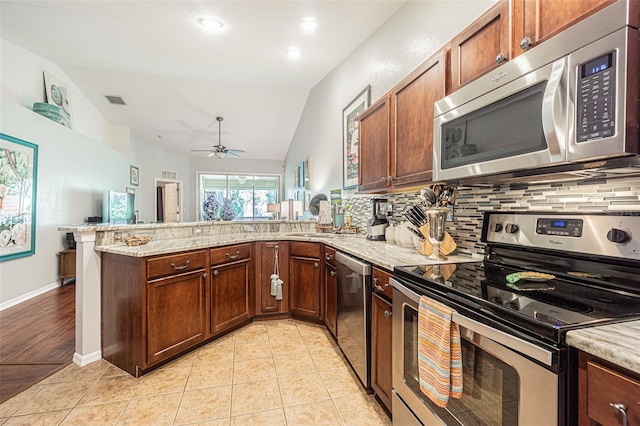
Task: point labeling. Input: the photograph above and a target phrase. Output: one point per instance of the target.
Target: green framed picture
(18, 182)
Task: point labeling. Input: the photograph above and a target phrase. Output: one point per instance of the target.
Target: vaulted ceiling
(176, 76)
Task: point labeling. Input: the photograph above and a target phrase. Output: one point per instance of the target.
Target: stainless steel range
(543, 274)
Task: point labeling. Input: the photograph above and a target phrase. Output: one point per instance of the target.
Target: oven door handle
(515, 343)
(553, 110)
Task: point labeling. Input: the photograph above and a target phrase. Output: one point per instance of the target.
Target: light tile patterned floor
(268, 373)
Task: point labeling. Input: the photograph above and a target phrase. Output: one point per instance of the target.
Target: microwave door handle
(553, 110)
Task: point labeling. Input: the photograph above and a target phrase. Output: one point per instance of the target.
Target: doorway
(168, 200)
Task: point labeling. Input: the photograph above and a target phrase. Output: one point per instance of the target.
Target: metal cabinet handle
(215, 272)
(390, 178)
(377, 286)
(500, 58)
(387, 314)
(620, 408)
(383, 179)
(333, 273)
(204, 275)
(315, 264)
(525, 43)
(327, 256)
(178, 268)
(234, 256)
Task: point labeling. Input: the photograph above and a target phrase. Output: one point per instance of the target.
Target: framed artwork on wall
(58, 94)
(18, 182)
(134, 175)
(350, 137)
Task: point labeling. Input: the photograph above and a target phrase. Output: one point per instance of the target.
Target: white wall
(416, 31)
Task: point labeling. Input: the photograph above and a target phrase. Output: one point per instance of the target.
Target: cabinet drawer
(381, 283)
(301, 249)
(176, 264)
(230, 253)
(330, 255)
(606, 387)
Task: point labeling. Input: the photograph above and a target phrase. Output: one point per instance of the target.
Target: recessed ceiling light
(211, 23)
(308, 24)
(293, 53)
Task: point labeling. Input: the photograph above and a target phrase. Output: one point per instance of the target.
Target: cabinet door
(230, 285)
(175, 317)
(304, 289)
(381, 349)
(331, 298)
(266, 303)
(482, 46)
(535, 21)
(375, 133)
(413, 99)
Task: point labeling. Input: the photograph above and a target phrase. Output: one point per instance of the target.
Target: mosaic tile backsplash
(471, 203)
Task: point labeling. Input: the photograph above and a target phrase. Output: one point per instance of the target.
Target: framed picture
(134, 176)
(350, 137)
(58, 94)
(18, 181)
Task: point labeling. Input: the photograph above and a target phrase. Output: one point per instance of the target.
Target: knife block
(426, 248)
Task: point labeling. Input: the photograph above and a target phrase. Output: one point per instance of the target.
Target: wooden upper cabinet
(375, 133)
(535, 21)
(482, 46)
(413, 99)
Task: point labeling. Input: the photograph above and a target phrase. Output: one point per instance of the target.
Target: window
(223, 195)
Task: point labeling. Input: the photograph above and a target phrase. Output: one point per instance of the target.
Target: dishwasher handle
(354, 264)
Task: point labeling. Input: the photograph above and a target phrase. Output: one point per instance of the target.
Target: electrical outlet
(196, 231)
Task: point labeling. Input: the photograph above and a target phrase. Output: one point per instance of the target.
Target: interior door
(171, 212)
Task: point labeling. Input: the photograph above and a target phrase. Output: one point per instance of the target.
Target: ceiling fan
(220, 151)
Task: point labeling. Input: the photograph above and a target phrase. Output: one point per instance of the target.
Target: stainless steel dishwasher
(354, 314)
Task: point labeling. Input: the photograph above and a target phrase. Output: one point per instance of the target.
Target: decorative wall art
(134, 175)
(58, 94)
(350, 141)
(18, 178)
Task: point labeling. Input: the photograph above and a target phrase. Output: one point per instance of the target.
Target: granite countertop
(617, 343)
(380, 253)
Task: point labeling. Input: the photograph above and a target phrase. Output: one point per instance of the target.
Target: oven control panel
(559, 226)
(615, 234)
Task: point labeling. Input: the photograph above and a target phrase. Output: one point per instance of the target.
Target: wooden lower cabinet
(175, 315)
(152, 308)
(331, 298)
(381, 329)
(265, 253)
(603, 387)
(305, 295)
(231, 286)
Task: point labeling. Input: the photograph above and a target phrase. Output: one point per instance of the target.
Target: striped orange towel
(439, 352)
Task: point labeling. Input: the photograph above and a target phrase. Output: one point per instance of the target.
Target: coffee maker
(378, 223)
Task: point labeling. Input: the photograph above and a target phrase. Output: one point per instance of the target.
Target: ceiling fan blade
(232, 154)
(201, 150)
(236, 151)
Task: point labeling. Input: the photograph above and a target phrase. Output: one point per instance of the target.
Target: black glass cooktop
(566, 295)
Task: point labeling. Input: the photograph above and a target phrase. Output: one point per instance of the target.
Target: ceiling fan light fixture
(220, 154)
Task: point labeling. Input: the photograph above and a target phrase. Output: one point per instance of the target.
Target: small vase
(228, 212)
(210, 207)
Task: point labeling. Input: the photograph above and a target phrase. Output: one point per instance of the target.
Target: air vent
(169, 175)
(115, 100)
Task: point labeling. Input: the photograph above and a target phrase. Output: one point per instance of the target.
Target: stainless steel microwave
(570, 100)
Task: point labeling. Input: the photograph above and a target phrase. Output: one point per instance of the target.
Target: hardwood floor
(37, 338)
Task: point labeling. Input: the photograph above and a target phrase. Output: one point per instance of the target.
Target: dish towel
(439, 352)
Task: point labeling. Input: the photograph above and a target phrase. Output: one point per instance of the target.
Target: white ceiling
(176, 77)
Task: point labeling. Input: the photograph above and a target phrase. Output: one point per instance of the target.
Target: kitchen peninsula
(197, 237)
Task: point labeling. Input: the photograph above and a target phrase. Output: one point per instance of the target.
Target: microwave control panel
(596, 98)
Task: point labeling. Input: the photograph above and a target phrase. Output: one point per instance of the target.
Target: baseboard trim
(83, 360)
(27, 296)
